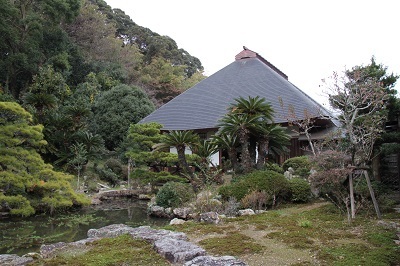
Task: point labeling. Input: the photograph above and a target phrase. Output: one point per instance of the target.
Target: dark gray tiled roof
(203, 105)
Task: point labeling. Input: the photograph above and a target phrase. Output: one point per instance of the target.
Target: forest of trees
(67, 65)
(64, 61)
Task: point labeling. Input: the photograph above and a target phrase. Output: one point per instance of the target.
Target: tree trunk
(233, 158)
(262, 152)
(182, 160)
(79, 174)
(195, 182)
(245, 156)
(310, 141)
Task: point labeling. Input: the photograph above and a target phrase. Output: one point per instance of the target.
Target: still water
(20, 236)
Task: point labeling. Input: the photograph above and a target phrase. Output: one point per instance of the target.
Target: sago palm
(241, 125)
(279, 141)
(205, 149)
(180, 139)
(230, 144)
(271, 138)
(253, 106)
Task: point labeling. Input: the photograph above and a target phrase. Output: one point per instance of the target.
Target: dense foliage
(249, 126)
(116, 109)
(57, 57)
(27, 184)
(273, 184)
(140, 142)
(174, 194)
(300, 190)
(145, 177)
(300, 165)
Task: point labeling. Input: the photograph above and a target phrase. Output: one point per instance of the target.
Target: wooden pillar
(352, 205)
(371, 191)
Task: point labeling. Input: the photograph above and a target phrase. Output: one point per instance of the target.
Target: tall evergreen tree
(116, 109)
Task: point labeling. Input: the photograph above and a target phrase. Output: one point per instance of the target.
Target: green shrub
(301, 166)
(273, 184)
(155, 178)
(109, 176)
(18, 205)
(299, 189)
(274, 167)
(92, 186)
(234, 190)
(174, 194)
(116, 167)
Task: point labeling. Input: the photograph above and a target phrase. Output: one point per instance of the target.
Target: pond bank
(23, 235)
(106, 195)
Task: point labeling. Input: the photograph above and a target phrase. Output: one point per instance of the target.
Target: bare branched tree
(305, 123)
(361, 102)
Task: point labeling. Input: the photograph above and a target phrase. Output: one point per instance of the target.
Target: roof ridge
(247, 53)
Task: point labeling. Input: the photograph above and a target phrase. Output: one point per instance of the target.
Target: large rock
(113, 230)
(142, 232)
(205, 195)
(159, 211)
(246, 212)
(389, 225)
(215, 261)
(182, 213)
(176, 221)
(178, 251)
(48, 250)
(14, 260)
(210, 217)
(51, 250)
(206, 202)
(152, 235)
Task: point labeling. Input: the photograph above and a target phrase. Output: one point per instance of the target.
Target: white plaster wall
(174, 151)
(214, 157)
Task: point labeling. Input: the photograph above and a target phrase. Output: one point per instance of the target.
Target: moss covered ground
(307, 234)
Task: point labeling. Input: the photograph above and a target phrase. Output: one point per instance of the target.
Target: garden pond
(22, 235)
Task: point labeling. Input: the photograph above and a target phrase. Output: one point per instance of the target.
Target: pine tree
(27, 184)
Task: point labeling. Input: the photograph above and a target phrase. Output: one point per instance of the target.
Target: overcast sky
(307, 39)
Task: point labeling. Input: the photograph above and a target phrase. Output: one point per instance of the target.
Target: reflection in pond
(23, 235)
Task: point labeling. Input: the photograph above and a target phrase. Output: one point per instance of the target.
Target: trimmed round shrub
(275, 186)
(155, 178)
(274, 167)
(109, 176)
(299, 189)
(301, 166)
(174, 194)
(116, 167)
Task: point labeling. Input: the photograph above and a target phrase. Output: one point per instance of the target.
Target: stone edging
(174, 246)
